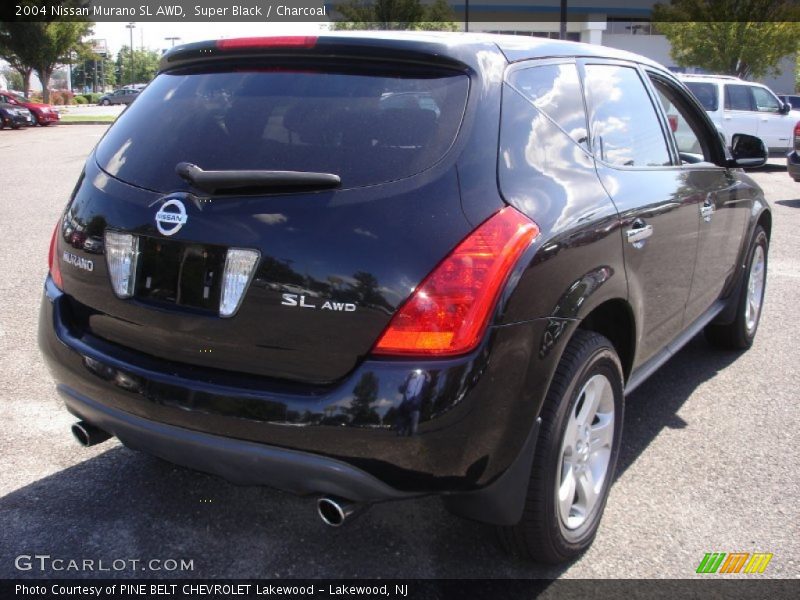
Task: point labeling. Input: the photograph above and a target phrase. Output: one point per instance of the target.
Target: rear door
(333, 265)
(722, 211)
(740, 114)
(638, 170)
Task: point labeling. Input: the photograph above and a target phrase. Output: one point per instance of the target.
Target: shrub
(81, 100)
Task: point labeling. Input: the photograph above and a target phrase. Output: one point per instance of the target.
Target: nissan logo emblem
(171, 217)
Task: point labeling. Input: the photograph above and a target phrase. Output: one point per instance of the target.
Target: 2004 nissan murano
(373, 267)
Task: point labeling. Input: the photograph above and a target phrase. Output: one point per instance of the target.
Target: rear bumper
(241, 462)
(461, 434)
(793, 165)
(16, 121)
(49, 117)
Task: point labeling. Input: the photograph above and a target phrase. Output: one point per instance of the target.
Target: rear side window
(367, 127)
(706, 93)
(739, 97)
(624, 123)
(556, 91)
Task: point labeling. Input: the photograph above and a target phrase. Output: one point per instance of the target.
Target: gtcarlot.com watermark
(45, 563)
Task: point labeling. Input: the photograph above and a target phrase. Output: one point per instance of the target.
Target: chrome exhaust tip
(334, 512)
(88, 435)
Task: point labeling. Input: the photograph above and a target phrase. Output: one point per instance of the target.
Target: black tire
(106, 102)
(736, 335)
(35, 120)
(541, 535)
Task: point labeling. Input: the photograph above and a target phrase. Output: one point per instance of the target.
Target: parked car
(307, 288)
(14, 116)
(121, 96)
(793, 158)
(791, 99)
(738, 106)
(41, 114)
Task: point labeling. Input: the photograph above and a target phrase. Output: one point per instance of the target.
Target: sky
(152, 35)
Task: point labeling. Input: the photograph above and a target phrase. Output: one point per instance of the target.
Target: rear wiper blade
(212, 181)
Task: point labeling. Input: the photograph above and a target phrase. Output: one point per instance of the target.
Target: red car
(43, 114)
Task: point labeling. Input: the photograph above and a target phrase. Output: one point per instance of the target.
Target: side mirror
(747, 151)
(785, 108)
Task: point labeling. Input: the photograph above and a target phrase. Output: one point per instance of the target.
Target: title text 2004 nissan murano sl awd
(370, 268)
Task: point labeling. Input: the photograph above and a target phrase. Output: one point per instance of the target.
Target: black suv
(373, 267)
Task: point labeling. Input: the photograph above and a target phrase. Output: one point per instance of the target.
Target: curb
(86, 122)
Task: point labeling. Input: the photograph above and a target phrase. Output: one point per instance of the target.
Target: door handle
(707, 208)
(637, 234)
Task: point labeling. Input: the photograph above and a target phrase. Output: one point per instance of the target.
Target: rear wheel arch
(614, 320)
(765, 220)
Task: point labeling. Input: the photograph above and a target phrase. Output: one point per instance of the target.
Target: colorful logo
(735, 562)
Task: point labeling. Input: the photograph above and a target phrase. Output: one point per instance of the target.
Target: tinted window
(556, 91)
(624, 123)
(706, 93)
(765, 101)
(367, 127)
(691, 138)
(738, 97)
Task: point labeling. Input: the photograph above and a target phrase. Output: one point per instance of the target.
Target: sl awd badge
(171, 217)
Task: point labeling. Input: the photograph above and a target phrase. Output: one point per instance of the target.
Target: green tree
(17, 71)
(14, 78)
(395, 14)
(94, 72)
(745, 38)
(42, 46)
(145, 65)
(365, 394)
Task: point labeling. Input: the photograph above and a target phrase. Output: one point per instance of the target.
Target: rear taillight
(286, 41)
(448, 313)
(797, 136)
(52, 259)
(673, 122)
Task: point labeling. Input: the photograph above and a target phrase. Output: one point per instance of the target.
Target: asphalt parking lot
(709, 460)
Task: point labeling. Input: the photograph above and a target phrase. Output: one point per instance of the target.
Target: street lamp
(172, 40)
(131, 27)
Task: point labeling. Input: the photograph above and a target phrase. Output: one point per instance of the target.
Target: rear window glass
(366, 127)
(706, 93)
(556, 91)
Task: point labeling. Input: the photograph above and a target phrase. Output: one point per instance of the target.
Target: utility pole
(131, 27)
(172, 41)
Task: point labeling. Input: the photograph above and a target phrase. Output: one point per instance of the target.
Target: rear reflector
(797, 136)
(287, 41)
(54, 263)
(448, 313)
(122, 256)
(239, 267)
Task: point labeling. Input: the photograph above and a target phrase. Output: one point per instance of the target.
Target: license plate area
(180, 274)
